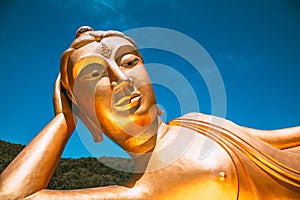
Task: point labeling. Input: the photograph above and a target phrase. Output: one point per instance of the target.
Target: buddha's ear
(61, 102)
(92, 127)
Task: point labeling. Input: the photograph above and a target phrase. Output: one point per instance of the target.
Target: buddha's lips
(128, 102)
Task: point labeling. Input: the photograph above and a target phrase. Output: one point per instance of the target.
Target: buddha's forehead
(109, 48)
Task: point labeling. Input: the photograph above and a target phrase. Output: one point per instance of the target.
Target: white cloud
(241, 62)
(111, 14)
(108, 13)
(95, 5)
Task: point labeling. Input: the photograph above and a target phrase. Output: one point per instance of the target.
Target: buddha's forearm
(284, 138)
(280, 138)
(32, 169)
(108, 192)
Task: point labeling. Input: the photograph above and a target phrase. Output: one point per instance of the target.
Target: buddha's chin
(127, 127)
(131, 121)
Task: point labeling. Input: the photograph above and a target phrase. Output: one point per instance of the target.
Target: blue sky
(255, 45)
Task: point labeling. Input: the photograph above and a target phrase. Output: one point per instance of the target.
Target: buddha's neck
(146, 149)
(163, 128)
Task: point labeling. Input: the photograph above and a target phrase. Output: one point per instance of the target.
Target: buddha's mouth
(129, 102)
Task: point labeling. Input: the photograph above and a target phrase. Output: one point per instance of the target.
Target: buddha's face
(111, 86)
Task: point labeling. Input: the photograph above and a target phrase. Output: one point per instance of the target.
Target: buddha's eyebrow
(123, 50)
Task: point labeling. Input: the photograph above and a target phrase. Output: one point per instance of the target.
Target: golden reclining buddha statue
(104, 83)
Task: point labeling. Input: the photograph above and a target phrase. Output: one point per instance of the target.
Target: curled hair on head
(83, 29)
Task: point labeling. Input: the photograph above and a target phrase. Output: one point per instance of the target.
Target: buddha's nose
(117, 76)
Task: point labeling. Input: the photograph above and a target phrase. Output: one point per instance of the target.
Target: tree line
(77, 173)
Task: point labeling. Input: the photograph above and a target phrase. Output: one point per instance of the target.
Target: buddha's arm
(32, 169)
(109, 192)
(280, 138)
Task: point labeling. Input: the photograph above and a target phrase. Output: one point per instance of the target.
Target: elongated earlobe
(95, 130)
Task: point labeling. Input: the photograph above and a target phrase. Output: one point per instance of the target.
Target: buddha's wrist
(69, 120)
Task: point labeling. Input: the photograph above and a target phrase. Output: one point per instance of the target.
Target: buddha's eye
(129, 60)
(94, 74)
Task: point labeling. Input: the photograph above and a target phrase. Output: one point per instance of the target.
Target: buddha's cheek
(147, 112)
(103, 96)
(85, 98)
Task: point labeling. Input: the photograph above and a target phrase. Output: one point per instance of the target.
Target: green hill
(77, 173)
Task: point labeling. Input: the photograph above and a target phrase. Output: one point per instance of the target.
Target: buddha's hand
(61, 104)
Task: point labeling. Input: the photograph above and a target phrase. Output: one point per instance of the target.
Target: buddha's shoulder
(200, 134)
(209, 121)
(200, 166)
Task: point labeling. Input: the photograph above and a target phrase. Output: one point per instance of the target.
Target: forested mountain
(77, 173)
